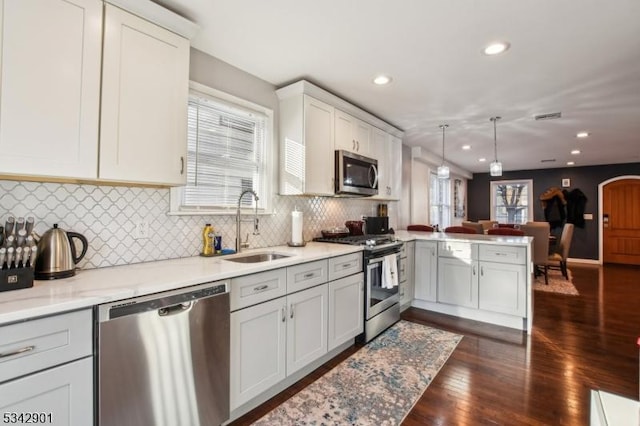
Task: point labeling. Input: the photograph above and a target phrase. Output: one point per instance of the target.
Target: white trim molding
(601, 186)
(595, 262)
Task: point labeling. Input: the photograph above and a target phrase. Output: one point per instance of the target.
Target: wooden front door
(621, 222)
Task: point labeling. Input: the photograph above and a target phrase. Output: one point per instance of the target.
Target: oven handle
(380, 259)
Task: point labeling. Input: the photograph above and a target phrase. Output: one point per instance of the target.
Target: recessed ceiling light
(496, 48)
(466, 147)
(381, 80)
(570, 163)
(482, 160)
(575, 152)
(582, 135)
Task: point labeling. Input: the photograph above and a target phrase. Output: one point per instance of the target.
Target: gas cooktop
(369, 240)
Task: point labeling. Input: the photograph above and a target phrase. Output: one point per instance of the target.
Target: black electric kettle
(57, 254)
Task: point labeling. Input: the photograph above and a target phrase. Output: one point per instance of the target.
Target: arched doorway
(619, 202)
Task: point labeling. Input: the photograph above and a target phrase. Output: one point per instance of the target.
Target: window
(512, 201)
(440, 201)
(228, 145)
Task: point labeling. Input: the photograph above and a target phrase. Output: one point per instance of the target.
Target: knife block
(17, 278)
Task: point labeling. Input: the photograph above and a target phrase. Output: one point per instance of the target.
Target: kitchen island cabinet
(479, 277)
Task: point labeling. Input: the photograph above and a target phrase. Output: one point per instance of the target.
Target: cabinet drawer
(257, 288)
(306, 275)
(457, 249)
(403, 269)
(42, 343)
(342, 266)
(503, 254)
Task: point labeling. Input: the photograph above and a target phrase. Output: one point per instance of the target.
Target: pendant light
(443, 171)
(495, 168)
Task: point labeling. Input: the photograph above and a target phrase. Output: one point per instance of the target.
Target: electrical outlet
(141, 231)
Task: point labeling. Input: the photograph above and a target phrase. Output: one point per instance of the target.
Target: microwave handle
(373, 168)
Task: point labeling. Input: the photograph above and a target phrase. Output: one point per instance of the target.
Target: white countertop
(471, 238)
(97, 286)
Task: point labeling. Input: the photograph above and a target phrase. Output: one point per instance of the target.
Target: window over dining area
(512, 201)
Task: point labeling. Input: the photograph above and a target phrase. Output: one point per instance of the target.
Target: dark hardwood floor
(501, 376)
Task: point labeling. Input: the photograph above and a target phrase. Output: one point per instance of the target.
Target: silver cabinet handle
(291, 314)
(309, 275)
(353, 144)
(284, 313)
(358, 146)
(482, 271)
(346, 265)
(474, 269)
(261, 288)
(17, 351)
(181, 165)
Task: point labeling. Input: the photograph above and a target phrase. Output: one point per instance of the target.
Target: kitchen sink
(256, 257)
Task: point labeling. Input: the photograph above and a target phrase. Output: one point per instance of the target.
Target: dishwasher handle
(176, 309)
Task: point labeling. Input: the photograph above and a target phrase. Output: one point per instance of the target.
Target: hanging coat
(553, 203)
(576, 204)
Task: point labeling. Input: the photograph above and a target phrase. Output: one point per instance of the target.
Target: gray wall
(587, 179)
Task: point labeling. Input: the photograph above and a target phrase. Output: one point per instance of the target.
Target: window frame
(493, 193)
(433, 176)
(266, 204)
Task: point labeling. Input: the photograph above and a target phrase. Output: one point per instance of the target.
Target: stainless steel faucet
(239, 243)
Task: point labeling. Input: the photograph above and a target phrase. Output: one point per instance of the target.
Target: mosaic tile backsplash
(108, 215)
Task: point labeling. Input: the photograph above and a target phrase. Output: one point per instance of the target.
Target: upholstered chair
(423, 228)
(505, 231)
(459, 230)
(540, 233)
(559, 259)
(475, 225)
(488, 224)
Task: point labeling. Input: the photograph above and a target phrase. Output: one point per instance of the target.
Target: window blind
(225, 154)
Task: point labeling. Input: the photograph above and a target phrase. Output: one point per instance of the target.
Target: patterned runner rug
(557, 283)
(378, 385)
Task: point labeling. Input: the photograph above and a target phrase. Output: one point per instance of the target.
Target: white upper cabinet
(352, 134)
(387, 149)
(145, 84)
(306, 146)
(50, 87)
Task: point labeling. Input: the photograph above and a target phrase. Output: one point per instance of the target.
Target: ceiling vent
(550, 116)
(550, 160)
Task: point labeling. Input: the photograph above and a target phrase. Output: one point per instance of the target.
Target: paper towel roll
(296, 227)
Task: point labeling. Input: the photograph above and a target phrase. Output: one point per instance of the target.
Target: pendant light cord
(443, 126)
(495, 139)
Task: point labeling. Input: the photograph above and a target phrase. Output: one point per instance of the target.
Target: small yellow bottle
(207, 240)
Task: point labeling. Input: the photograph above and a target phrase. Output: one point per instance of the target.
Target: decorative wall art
(458, 198)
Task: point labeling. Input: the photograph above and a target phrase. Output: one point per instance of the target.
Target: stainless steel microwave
(355, 174)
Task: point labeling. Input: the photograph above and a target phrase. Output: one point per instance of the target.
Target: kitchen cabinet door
(60, 396)
(409, 283)
(352, 134)
(306, 148)
(306, 327)
(458, 282)
(346, 309)
(394, 167)
(502, 288)
(426, 270)
(258, 349)
(379, 151)
(50, 87)
(145, 84)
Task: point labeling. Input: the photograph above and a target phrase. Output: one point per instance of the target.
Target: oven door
(378, 298)
(355, 174)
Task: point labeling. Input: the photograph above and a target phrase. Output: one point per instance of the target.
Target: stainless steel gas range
(382, 300)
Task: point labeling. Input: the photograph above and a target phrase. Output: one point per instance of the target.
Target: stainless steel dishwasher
(163, 359)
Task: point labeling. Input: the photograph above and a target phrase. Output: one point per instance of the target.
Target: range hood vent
(550, 116)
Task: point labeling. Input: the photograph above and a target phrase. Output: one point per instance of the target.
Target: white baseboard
(584, 261)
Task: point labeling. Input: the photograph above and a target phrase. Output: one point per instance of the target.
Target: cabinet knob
(181, 165)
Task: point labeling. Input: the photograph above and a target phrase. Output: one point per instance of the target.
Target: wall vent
(550, 116)
(549, 160)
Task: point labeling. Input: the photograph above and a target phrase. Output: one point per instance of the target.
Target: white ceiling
(577, 57)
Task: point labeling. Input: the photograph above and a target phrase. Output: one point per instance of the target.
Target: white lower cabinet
(458, 282)
(59, 396)
(426, 270)
(346, 309)
(272, 340)
(258, 348)
(306, 327)
(502, 288)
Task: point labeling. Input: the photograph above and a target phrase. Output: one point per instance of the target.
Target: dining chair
(508, 225)
(505, 231)
(474, 225)
(459, 230)
(423, 228)
(540, 233)
(488, 224)
(559, 259)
